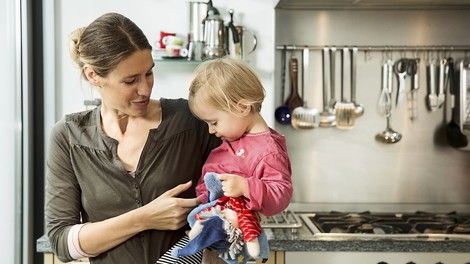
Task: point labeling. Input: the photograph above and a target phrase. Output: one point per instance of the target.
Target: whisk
(384, 106)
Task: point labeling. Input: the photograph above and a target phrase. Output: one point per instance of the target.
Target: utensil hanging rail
(382, 48)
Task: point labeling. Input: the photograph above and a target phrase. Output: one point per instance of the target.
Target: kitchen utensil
(465, 97)
(294, 100)
(304, 77)
(214, 31)
(400, 69)
(384, 101)
(442, 76)
(327, 116)
(332, 78)
(454, 136)
(345, 111)
(302, 116)
(385, 107)
(432, 96)
(359, 108)
(282, 113)
(232, 41)
(414, 73)
(236, 43)
(197, 16)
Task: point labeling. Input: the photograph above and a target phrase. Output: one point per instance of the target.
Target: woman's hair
(225, 82)
(107, 41)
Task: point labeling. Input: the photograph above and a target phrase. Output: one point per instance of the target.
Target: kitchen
(419, 172)
(350, 170)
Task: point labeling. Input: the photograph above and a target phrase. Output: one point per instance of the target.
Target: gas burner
(462, 229)
(369, 223)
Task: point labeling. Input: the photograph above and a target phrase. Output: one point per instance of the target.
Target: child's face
(223, 124)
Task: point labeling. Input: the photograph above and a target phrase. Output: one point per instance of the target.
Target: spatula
(327, 115)
(345, 111)
(454, 136)
(302, 116)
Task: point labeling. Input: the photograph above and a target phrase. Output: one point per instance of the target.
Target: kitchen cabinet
(274, 258)
(277, 257)
(374, 257)
(50, 258)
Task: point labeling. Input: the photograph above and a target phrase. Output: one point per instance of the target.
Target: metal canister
(197, 15)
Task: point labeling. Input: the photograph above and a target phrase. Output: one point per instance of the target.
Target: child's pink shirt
(262, 159)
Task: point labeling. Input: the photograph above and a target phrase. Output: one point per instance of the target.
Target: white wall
(10, 129)
(172, 79)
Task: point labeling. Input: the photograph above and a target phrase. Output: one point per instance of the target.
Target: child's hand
(234, 185)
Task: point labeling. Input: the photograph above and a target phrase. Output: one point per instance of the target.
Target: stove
(417, 224)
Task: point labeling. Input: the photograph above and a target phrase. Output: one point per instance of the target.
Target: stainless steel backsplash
(350, 166)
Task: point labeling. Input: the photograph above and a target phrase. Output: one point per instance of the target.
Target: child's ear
(244, 107)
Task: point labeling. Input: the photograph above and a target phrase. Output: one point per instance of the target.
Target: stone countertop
(304, 240)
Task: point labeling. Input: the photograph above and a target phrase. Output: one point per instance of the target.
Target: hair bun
(74, 45)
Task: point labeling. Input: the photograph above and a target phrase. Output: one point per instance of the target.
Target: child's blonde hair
(225, 83)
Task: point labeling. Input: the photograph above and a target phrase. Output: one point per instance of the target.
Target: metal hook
(368, 54)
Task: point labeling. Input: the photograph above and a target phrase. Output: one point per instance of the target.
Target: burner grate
(367, 223)
(285, 219)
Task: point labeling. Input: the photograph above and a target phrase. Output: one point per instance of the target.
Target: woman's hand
(168, 212)
(234, 185)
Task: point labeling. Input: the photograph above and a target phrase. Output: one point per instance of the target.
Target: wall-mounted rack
(383, 48)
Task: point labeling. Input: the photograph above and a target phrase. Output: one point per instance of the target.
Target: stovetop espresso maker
(214, 34)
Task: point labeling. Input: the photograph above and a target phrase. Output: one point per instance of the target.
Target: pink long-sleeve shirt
(262, 159)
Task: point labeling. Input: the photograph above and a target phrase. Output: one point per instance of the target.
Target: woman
(119, 177)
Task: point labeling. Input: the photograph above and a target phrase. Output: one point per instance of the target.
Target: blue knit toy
(217, 234)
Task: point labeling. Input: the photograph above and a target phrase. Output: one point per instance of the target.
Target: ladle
(385, 107)
(282, 113)
(359, 111)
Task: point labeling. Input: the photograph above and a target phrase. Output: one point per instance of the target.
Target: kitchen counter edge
(303, 240)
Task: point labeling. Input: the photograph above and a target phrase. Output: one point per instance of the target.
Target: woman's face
(127, 89)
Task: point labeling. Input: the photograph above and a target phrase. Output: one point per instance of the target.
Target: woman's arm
(167, 212)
